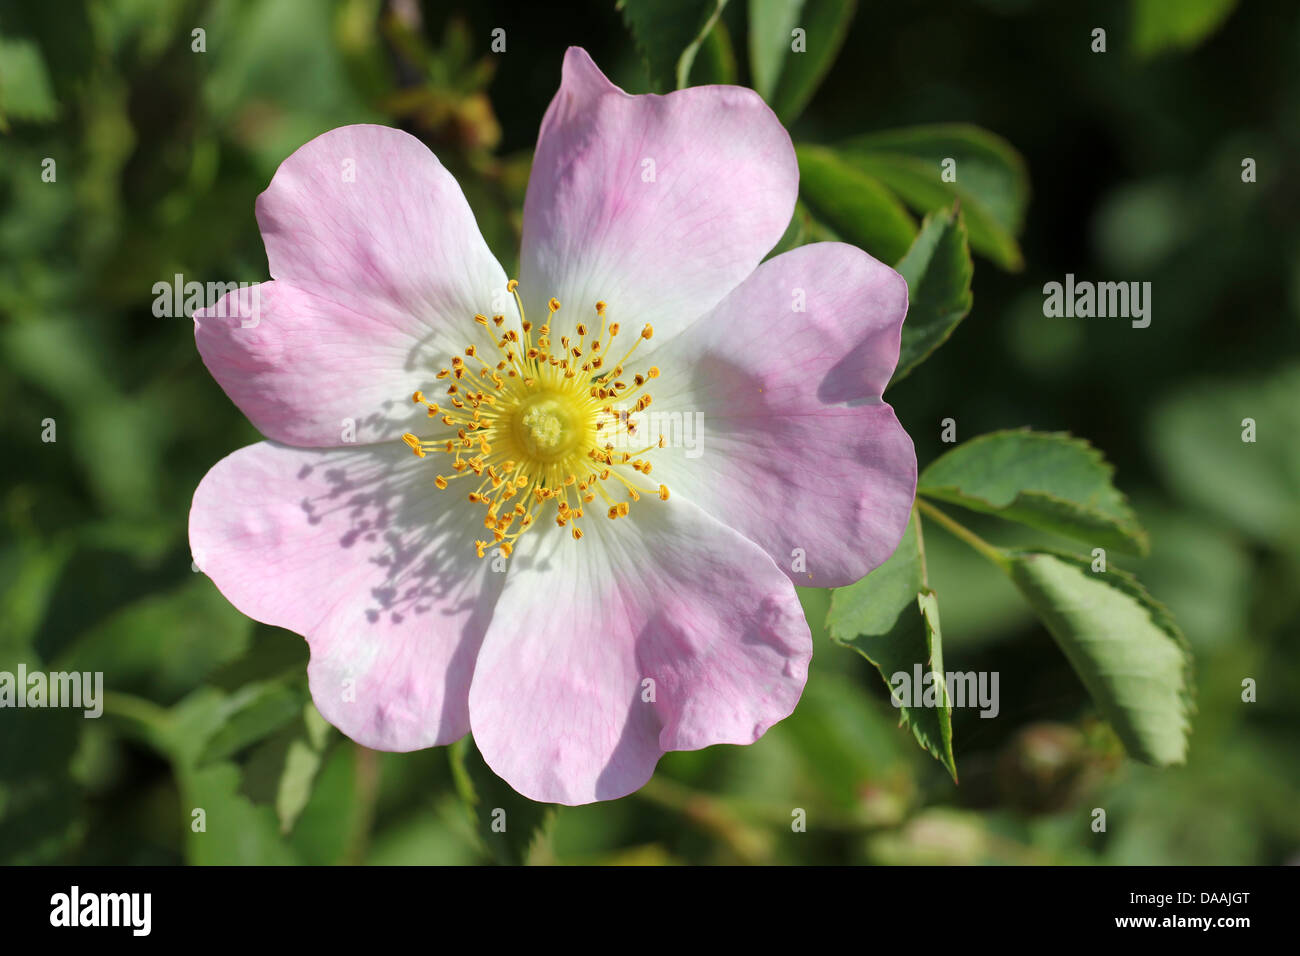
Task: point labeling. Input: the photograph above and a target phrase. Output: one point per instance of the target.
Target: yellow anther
(414, 444)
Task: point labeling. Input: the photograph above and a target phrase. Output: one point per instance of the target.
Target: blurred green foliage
(1135, 157)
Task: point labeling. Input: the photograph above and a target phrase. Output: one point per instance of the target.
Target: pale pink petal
(658, 205)
(667, 595)
(309, 372)
(357, 551)
(381, 269)
(797, 451)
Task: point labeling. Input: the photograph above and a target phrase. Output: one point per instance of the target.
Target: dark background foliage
(1134, 158)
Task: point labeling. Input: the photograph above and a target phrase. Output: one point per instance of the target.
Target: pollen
(544, 425)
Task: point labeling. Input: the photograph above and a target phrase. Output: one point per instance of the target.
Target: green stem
(920, 544)
(367, 793)
(117, 704)
(965, 534)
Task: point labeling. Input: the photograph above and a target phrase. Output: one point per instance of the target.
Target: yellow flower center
(542, 424)
(549, 425)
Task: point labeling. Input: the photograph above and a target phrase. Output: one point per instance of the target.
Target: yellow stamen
(539, 420)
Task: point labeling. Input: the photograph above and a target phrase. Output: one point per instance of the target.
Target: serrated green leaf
(669, 33)
(991, 179)
(857, 207)
(506, 822)
(785, 77)
(891, 618)
(1047, 480)
(1125, 647)
(1159, 25)
(938, 270)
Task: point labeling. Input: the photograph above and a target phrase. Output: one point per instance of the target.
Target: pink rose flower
(635, 593)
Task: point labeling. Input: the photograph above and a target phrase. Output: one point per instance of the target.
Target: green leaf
(236, 831)
(891, 618)
(506, 822)
(423, 838)
(1047, 480)
(1159, 25)
(25, 91)
(332, 827)
(1125, 647)
(991, 179)
(231, 830)
(716, 59)
(938, 270)
(31, 572)
(259, 710)
(669, 33)
(163, 645)
(302, 761)
(857, 207)
(281, 770)
(787, 78)
(770, 24)
(1198, 435)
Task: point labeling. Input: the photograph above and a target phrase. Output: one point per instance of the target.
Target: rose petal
(796, 449)
(381, 270)
(558, 704)
(312, 373)
(356, 550)
(663, 251)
